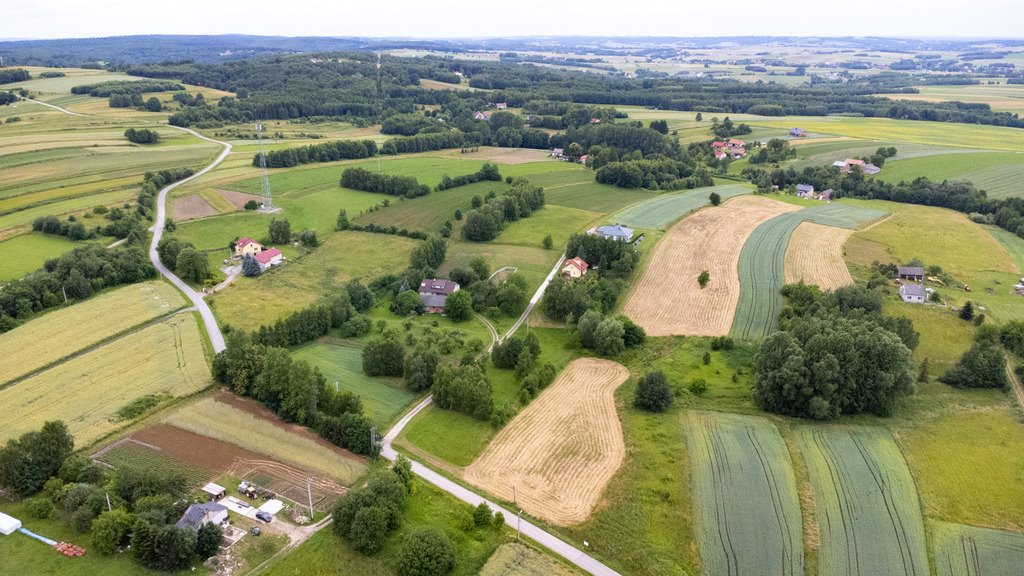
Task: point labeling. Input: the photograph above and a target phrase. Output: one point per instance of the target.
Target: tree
(699, 117)
(548, 242)
(967, 312)
(458, 214)
(633, 334)
(587, 327)
(28, 462)
(403, 469)
(426, 552)
(208, 540)
(153, 104)
(280, 231)
(609, 337)
(922, 373)
(982, 366)
(406, 303)
(192, 265)
(703, 278)
(459, 306)
(343, 223)
(715, 198)
(383, 356)
(250, 267)
(360, 296)
(369, 530)
(420, 367)
(653, 392)
(481, 514)
(109, 529)
(464, 389)
(573, 152)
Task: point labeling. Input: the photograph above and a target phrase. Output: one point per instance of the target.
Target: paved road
(216, 337)
(528, 529)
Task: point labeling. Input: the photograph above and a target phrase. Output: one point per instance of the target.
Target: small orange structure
(69, 549)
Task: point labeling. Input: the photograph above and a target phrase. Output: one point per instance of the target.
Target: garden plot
(748, 512)
(663, 210)
(556, 456)
(668, 301)
(970, 551)
(762, 263)
(867, 507)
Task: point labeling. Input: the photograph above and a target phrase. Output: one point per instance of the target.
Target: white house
(269, 257)
(198, 514)
(913, 293)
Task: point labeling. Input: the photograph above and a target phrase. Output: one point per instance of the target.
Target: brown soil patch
(815, 255)
(196, 449)
(502, 155)
(668, 301)
(191, 207)
(562, 449)
(256, 409)
(238, 199)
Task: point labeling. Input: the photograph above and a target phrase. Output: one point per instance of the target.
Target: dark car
(265, 516)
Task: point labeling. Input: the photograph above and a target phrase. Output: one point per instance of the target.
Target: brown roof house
(434, 292)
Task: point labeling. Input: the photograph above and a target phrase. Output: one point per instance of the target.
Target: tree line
(485, 221)
(107, 89)
(14, 75)
(487, 172)
(367, 181)
(325, 152)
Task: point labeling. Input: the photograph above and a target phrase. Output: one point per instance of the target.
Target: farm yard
(745, 496)
(562, 449)
(815, 256)
(63, 333)
(88, 390)
(867, 507)
(667, 300)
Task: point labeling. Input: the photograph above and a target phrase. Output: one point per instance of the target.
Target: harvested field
(867, 506)
(238, 199)
(562, 449)
(87, 391)
(191, 207)
(500, 155)
(664, 209)
(815, 255)
(247, 424)
(667, 300)
(61, 333)
(745, 495)
(969, 551)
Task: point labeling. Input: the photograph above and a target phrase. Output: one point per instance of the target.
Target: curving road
(212, 329)
(528, 529)
(64, 110)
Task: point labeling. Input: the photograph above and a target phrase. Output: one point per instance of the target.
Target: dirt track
(562, 449)
(668, 300)
(815, 255)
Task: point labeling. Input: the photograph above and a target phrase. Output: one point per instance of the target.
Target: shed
(215, 491)
(805, 190)
(910, 273)
(8, 524)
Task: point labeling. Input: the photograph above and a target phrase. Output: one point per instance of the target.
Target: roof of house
(195, 515)
(558, 151)
(912, 290)
(717, 144)
(797, 130)
(617, 230)
(736, 141)
(433, 300)
(577, 262)
(839, 163)
(244, 241)
(805, 188)
(856, 161)
(438, 286)
(826, 192)
(267, 255)
(910, 270)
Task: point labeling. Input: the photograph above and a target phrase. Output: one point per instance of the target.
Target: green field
(24, 254)
(745, 494)
(868, 513)
(61, 333)
(762, 263)
(1013, 244)
(557, 221)
(383, 400)
(662, 211)
(969, 551)
(998, 173)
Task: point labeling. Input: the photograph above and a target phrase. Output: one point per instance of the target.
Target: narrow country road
(528, 529)
(64, 110)
(216, 337)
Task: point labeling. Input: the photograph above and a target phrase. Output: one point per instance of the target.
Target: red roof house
(267, 258)
(575, 268)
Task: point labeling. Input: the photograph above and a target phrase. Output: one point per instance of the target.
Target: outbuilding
(269, 257)
(915, 273)
(913, 293)
(214, 491)
(8, 524)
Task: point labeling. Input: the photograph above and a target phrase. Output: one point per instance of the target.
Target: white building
(913, 293)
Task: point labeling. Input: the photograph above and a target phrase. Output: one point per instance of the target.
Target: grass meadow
(998, 173)
(27, 253)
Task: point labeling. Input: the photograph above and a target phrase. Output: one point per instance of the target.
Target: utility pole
(309, 493)
(108, 502)
(519, 520)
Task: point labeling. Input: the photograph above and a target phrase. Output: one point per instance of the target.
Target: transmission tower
(268, 202)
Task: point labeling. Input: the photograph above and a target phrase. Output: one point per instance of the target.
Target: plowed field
(668, 300)
(562, 449)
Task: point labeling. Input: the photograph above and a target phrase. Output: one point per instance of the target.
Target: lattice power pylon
(268, 201)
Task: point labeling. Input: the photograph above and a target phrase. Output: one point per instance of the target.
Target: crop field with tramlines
(969, 551)
(762, 263)
(663, 210)
(745, 495)
(62, 333)
(88, 390)
(868, 512)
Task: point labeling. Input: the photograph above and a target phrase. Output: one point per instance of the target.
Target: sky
(479, 18)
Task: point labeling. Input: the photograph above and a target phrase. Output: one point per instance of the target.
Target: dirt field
(238, 199)
(668, 301)
(191, 207)
(500, 155)
(815, 255)
(562, 449)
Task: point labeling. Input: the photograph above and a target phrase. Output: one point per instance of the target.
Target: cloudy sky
(464, 18)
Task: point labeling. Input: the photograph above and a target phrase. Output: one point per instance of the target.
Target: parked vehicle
(265, 516)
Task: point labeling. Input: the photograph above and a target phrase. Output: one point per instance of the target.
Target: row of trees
(487, 221)
(14, 75)
(142, 135)
(403, 186)
(487, 172)
(106, 89)
(324, 152)
(660, 174)
(72, 228)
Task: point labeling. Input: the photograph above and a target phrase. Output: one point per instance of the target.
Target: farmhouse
(797, 132)
(583, 159)
(558, 152)
(616, 232)
(434, 292)
(915, 273)
(501, 105)
(913, 293)
(575, 268)
(846, 166)
(807, 191)
(269, 257)
(481, 116)
(247, 247)
(733, 147)
(595, 120)
(198, 514)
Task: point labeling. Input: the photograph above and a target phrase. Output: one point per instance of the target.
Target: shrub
(40, 507)
(967, 311)
(715, 198)
(704, 278)
(208, 540)
(110, 528)
(698, 387)
(426, 552)
(459, 306)
(481, 514)
(653, 392)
